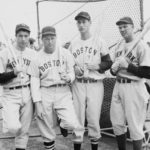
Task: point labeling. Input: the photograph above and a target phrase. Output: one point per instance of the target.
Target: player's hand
(65, 77)
(78, 70)
(18, 69)
(93, 67)
(115, 67)
(40, 113)
(123, 62)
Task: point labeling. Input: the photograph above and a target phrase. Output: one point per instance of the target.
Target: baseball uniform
(130, 95)
(53, 92)
(88, 91)
(17, 105)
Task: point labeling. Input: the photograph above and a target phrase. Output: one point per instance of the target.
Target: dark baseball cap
(124, 20)
(48, 30)
(84, 15)
(22, 27)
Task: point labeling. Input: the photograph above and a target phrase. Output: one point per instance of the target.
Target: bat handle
(86, 71)
(21, 75)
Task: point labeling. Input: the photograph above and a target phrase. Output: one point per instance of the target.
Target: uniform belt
(87, 80)
(58, 85)
(19, 87)
(123, 80)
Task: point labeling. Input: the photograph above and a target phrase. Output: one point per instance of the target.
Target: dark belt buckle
(59, 85)
(85, 81)
(123, 81)
(19, 87)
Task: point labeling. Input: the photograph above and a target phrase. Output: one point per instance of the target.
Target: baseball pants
(57, 101)
(88, 99)
(129, 102)
(17, 114)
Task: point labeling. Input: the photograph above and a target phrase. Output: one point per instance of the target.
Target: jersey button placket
(21, 77)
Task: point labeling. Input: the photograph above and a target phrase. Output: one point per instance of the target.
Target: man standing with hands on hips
(130, 96)
(51, 73)
(92, 59)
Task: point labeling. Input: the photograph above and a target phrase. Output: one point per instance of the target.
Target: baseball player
(17, 105)
(92, 59)
(130, 95)
(52, 72)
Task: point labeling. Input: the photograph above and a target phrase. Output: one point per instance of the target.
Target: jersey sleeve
(70, 65)
(33, 69)
(144, 54)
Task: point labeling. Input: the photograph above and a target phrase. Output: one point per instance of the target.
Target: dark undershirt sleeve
(105, 63)
(140, 71)
(6, 77)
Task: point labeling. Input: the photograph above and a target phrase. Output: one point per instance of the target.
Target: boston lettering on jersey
(85, 49)
(50, 64)
(12, 63)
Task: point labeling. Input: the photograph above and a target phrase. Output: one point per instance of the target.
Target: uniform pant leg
(135, 108)
(79, 100)
(26, 115)
(117, 112)
(95, 94)
(10, 112)
(65, 110)
(46, 126)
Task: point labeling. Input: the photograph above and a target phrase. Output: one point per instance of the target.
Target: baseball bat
(140, 36)
(9, 45)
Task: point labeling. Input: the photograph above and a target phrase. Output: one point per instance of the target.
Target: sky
(13, 12)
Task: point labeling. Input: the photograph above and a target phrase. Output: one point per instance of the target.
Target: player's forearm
(35, 89)
(140, 71)
(72, 76)
(106, 63)
(7, 76)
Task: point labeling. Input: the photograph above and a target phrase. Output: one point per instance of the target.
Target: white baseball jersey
(89, 51)
(7, 63)
(47, 67)
(140, 56)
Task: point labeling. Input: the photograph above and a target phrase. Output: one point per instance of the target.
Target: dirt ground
(35, 142)
(106, 143)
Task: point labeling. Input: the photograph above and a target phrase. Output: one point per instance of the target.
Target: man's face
(22, 38)
(83, 25)
(126, 30)
(49, 42)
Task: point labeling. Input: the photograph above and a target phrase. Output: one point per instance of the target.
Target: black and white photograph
(74, 75)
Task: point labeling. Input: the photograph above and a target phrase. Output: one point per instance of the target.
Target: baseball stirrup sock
(121, 140)
(94, 146)
(137, 145)
(49, 145)
(94, 142)
(77, 146)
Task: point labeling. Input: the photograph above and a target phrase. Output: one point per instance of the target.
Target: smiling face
(83, 25)
(126, 30)
(49, 42)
